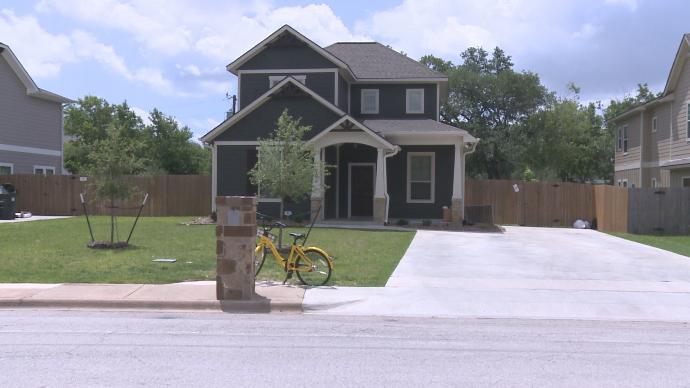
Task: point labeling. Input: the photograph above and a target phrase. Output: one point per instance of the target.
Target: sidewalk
(271, 297)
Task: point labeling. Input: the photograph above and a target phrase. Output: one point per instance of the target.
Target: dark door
(361, 191)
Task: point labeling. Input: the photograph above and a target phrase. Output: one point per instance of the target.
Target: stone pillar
(457, 200)
(235, 243)
(380, 188)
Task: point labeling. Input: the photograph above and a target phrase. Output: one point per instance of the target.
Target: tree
(168, 148)
(114, 157)
(568, 141)
(285, 168)
(490, 99)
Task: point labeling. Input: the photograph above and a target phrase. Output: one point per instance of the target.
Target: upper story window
(274, 79)
(687, 128)
(654, 124)
(414, 101)
(620, 140)
(44, 170)
(370, 101)
(625, 138)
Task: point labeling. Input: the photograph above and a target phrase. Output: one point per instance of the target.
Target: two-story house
(653, 139)
(31, 122)
(374, 115)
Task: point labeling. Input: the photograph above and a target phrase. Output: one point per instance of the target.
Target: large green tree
(166, 148)
(490, 99)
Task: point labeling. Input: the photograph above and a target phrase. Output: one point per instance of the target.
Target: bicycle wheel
(314, 269)
(259, 259)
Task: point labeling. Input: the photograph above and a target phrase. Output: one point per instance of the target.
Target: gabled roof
(678, 64)
(260, 101)
(348, 119)
(374, 61)
(31, 88)
(387, 127)
(237, 63)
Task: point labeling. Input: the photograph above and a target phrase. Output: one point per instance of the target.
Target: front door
(361, 190)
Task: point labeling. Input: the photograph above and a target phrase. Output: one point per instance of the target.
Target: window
(686, 181)
(625, 138)
(6, 168)
(44, 170)
(620, 139)
(370, 101)
(620, 183)
(274, 79)
(420, 177)
(654, 185)
(414, 101)
(687, 127)
(625, 183)
(654, 124)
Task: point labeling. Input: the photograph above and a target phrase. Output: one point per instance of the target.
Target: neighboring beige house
(31, 131)
(653, 139)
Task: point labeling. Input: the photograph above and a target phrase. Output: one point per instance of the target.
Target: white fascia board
(31, 88)
(259, 101)
(399, 80)
(467, 138)
(30, 150)
(281, 71)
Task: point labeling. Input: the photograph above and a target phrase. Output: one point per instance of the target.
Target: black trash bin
(8, 201)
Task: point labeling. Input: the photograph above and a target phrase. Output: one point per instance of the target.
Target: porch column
(380, 189)
(316, 190)
(457, 199)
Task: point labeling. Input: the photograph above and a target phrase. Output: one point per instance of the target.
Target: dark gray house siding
(252, 86)
(233, 162)
(397, 183)
(288, 53)
(392, 100)
(343, 94)
(349, 153)
(262, 121)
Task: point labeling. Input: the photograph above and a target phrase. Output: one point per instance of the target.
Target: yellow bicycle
(312, 265)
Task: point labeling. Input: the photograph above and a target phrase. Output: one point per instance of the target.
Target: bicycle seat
(297, 235)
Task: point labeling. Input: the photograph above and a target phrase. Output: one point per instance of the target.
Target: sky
(171, 54)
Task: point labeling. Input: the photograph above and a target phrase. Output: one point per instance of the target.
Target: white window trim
(433, 177)
(620, 183)
(44, 169)
(625, 183)
(361, 101)
(626, 140)
(275, 79)
(654, 124)
(654, 183)
(10, 165)
(407, 101)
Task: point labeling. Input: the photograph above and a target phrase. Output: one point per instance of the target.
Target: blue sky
(171, 54)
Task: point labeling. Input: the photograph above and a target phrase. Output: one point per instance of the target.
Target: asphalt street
(90, 348)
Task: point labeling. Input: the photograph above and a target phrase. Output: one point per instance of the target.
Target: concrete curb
(230, 306)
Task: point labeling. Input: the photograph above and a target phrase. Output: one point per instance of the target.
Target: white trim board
(10, 165)
(30, 150)
(236, 142)
(220, 128)
(290, 71)
(349, 185)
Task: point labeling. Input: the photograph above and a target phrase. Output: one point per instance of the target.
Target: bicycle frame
(296, 250)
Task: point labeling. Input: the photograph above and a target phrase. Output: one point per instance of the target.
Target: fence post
(236, 240)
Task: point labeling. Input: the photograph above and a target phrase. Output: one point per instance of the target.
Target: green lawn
(677, 244)
(55, 252)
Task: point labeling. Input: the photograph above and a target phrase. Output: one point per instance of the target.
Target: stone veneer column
(379, 210)
(235, 243)
(380, 188)
(457, 209)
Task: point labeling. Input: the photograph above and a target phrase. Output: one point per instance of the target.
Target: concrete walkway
(523, 273)
(177, 296)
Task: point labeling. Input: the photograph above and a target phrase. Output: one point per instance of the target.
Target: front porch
(372, 180)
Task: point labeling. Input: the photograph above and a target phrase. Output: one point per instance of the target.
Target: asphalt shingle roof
(375, 61)
(421, 126)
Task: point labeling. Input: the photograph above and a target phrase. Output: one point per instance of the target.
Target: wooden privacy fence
(169, 195)
(659, 211)
(611, 208)
(534, 203)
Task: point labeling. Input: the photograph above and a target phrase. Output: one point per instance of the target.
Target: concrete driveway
(524, 273)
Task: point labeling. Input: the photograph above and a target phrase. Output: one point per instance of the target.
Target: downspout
(385, 179)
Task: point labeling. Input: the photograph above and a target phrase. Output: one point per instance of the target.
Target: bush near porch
(55, 252)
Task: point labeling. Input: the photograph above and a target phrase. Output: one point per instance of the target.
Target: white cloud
(142, 113)
(631, 5)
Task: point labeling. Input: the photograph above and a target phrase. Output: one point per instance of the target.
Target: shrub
(401, 222)
(426, 222)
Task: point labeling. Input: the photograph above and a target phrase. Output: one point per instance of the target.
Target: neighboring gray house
(374, 115)
(31, 133)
